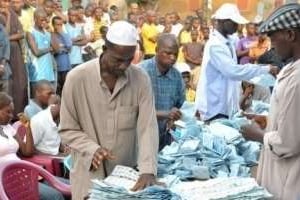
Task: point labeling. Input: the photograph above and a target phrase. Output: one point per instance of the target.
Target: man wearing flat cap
(279, 165)
(218, 92)
(108, 115)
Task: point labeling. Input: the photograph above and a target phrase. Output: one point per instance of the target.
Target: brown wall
(185, 7)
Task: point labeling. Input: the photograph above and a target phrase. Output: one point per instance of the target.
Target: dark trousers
(61, 81)
(164, 139)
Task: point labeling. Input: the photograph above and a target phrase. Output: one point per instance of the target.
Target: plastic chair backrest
(19, 180)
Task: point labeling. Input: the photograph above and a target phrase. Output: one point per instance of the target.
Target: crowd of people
(107, 90)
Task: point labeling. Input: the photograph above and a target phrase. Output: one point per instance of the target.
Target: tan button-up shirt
(123, 121)
(279, 166)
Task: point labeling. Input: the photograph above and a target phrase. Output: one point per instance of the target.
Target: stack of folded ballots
(221, 189)
(119, 183)
(208, 151)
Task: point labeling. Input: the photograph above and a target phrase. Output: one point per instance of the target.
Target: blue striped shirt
(168, 89)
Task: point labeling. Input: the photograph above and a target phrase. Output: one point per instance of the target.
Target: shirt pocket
(127, 117)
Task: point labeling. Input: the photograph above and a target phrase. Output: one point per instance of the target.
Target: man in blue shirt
(218, 89)
(167, 84)
(62, 44)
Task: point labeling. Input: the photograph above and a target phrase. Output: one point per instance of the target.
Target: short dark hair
(79, 7)
(39, 85)
(72, 9)
(196, 18)
(114, 7)
(55, 18)
(48, 1)
(5, 100)
(103, 29)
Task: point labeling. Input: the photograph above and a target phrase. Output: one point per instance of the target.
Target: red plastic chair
(51, 164)
(19, 180)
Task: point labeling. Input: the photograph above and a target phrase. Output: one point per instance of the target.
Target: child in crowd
(39, 41)
(62, 45)
(193, 52)
(185, 71)
(76, 33)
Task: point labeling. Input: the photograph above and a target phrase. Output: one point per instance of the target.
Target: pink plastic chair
(19, 180)
(51, 164)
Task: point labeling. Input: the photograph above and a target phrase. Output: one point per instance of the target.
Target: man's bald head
(151, 16)
(39, 13)
(167, 51)
(167, 39)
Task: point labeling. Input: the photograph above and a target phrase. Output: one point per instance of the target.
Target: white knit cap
(122, 33)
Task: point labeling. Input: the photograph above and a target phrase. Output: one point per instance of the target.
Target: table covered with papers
(203, 162)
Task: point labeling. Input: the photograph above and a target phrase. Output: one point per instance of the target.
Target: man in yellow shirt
(26, 17)
(98, 23)
(149, 34)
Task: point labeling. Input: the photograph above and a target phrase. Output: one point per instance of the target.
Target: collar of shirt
(287, 70)
(121, 82)
(221, 38)
(169, 73)
(34, 104)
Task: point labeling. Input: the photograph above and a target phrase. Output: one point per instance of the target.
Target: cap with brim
(122, 33)
(285, 17)
(230, 11)
(183, 67)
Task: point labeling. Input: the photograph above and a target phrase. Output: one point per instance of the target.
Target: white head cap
(230, 11)
(122, 33)
(183, 67)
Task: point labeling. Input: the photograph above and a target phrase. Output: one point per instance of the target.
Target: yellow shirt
(97, 26)
(149, 31)
(190, 95)
(185, 37)
(180, 57)
(27, 19)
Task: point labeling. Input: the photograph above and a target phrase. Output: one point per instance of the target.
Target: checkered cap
(285, 17)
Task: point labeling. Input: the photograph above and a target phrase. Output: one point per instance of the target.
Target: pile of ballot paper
(202, 151)
(118, 184)
(221, 188)
(122, 179)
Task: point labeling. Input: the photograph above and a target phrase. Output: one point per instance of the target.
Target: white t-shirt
(8, 146)
(45, 132)
(176, 29)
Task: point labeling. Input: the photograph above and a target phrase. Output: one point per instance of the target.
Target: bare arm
(16, 37)
(27, 147)
(241, 53)
(162, 114)
(54, 43)
(35, 50)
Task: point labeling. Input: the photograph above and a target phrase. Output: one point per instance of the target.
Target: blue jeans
(47, 192)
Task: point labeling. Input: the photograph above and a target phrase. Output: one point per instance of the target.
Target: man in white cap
(218, 89)
(108, 115)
